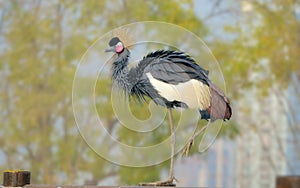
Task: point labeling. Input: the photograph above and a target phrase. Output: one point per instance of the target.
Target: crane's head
(115, 45)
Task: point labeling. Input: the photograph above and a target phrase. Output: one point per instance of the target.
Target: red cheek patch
(119, 48)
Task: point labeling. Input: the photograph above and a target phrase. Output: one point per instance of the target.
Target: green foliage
(139, 175)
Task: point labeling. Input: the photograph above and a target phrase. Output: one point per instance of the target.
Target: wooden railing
(17, 178)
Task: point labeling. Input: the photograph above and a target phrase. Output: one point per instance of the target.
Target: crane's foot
(188, 146)
(171, 182)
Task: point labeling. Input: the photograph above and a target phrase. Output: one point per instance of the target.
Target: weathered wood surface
(89, 186)
(288, 182)
(16, 178)
(19, 178)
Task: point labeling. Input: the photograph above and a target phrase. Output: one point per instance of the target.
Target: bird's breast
(120, 78)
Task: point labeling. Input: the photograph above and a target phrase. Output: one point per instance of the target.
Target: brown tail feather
(220, 104)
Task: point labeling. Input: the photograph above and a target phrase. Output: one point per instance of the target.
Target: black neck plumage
(120, 71)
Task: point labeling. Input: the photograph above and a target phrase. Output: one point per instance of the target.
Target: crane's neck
(120, 71)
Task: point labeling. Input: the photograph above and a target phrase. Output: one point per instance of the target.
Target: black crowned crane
(171, 79)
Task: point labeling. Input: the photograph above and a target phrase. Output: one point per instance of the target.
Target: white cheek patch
(193, 93)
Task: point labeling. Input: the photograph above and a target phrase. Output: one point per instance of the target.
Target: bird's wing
(176, 77)
(174, 67)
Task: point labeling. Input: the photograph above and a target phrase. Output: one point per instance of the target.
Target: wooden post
(16, 178)
(288, 182)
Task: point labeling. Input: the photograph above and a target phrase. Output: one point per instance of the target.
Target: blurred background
(256, 42)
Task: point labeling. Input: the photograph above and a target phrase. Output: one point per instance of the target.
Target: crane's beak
(110, 49)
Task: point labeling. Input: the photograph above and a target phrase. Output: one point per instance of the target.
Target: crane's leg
(173, 142)
(171, 180)
(190, 143)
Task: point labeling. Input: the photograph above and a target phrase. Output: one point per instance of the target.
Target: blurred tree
(38, 127)
(264, 59)
(265, 47)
